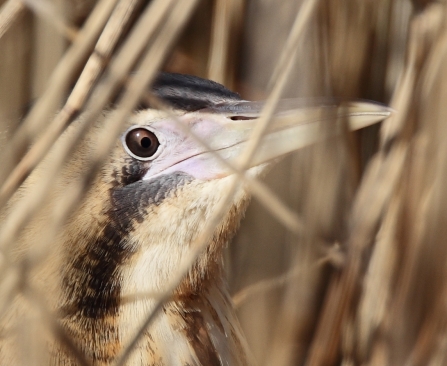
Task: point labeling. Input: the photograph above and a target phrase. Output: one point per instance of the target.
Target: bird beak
(226, 131)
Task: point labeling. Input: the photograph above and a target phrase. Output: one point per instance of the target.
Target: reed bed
(342, 256)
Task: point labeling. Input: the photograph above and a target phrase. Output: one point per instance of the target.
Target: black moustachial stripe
(93, 283)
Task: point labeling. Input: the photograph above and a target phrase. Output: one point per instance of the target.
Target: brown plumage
(132, 229)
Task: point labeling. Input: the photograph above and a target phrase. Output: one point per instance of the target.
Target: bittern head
(170, 169)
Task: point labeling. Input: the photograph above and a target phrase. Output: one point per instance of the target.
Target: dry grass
(346, 262)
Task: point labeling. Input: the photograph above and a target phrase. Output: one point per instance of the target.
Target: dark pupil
(142, 143)
(145, 142)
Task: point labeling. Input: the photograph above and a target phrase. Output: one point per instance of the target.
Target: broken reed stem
(76, 100)
(219, 42)
(36, 120)
(10, 12)
(224, 14)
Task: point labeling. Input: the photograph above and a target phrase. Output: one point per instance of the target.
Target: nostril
(241, 118)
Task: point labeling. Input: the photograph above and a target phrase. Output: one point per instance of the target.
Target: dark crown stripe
(190, 93)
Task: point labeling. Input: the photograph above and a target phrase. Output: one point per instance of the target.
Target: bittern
(145, 208)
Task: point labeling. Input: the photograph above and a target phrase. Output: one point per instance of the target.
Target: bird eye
(141, 143)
